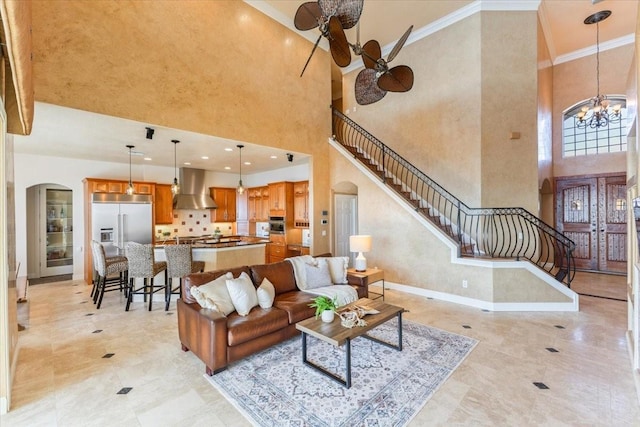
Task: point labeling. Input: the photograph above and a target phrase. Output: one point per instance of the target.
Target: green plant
(322, 303)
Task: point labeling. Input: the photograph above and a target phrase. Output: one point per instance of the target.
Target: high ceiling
(65, 132)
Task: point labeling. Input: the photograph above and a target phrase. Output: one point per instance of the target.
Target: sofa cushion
(317, 274)
(214, 295)
(259, 322)
(266, 293)
(196, 279)
(296, 304)
(243, 293)
(278, 273)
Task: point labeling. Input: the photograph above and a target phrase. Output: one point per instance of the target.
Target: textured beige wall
(215, 67)
(437, 124)
(509, 169)
(545, 131)
(514, 285)
(575, 81)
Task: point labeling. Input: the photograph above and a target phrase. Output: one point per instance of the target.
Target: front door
(591, 211)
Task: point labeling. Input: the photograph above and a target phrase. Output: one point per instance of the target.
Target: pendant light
(240, 187)
(175, 187)
(130, 190)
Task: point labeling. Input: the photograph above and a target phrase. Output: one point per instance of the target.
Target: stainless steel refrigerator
(117, 219)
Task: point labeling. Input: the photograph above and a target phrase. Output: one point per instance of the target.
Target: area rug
(274, 387)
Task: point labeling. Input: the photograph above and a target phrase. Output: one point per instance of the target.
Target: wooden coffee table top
(337, 334)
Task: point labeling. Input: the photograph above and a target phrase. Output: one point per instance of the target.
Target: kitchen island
(226, 253)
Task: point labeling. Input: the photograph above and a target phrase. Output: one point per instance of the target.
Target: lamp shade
(360, 243)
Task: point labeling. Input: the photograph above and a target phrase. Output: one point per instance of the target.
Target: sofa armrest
(360, 284)
(204, 332)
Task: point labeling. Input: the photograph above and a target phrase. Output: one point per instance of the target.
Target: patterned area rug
(274, 388)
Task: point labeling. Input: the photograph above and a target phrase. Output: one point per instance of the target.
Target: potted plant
(325, 307)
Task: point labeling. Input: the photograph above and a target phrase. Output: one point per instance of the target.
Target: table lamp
(360, 244)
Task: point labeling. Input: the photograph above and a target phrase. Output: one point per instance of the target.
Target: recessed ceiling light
(228, 149)
(205, 157)
(247, 163)
(187, 163)
(148, 159)
(274, 156)
(227, 167)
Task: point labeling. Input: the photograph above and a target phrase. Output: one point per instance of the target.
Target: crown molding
(591, 50)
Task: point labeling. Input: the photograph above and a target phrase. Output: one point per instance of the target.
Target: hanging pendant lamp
(240, 187)
(130, 190)
(175, 187)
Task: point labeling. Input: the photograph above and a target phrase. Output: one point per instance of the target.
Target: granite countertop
(210, 242)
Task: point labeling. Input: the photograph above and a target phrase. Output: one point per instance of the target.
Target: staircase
(494, 233)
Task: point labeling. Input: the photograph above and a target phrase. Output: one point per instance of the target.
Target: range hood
(193, 192)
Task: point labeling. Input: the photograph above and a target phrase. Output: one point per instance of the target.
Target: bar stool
(142, 265)
(104, 268)
(179, 264)
(109, 260)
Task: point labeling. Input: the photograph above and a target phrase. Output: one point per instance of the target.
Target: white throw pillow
(243, 293)
(266, 293)
(214, 295)
(338, 268)
(318, 275)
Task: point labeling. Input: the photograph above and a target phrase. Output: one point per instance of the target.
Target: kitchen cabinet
(104, 186)
(258, 204)
(264, 198)
(301, 204)
(142, 187)
(163, 204)
(281, 199)
(225, 198)
(277, 248)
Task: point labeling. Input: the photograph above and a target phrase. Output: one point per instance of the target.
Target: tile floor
(75, 359)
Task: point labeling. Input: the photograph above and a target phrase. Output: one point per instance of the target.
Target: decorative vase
(327, 316)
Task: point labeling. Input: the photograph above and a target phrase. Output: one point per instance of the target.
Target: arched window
(586, 131)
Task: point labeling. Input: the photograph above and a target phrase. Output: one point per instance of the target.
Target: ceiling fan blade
(397, 79)
(371, 53)
(349, 12)
(366, 89)
(307, 16)
(312, 52)
(399, 44)
(338, 43)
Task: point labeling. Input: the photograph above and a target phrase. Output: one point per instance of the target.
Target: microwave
(276, 225)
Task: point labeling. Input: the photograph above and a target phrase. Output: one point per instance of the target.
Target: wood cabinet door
(301, 204)
(266, 208)
(230, 204)
(163, 204)
(592, 212)
(276, 196)
(143, 188)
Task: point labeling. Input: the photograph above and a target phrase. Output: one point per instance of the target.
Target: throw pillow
(243, 293)
(318, 275)
(266, 293)
(214, 295)
(338, 268)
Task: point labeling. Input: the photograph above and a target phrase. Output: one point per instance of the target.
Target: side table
(369, 276)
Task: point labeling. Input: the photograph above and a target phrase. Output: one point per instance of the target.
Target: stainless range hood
(193, 192)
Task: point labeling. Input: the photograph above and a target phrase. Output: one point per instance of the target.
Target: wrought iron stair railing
(504, 233)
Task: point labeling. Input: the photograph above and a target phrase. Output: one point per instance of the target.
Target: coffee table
(336, 334)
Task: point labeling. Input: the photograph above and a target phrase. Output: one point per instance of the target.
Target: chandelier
(598, 113)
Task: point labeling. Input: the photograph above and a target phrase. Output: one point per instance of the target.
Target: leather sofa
(219, 340)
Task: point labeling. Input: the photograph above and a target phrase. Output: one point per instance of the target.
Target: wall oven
(276, 225)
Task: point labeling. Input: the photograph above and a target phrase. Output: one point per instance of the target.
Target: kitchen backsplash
(192, 223)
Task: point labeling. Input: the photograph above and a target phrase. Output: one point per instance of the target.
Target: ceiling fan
(332, 17)
(377, 78)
